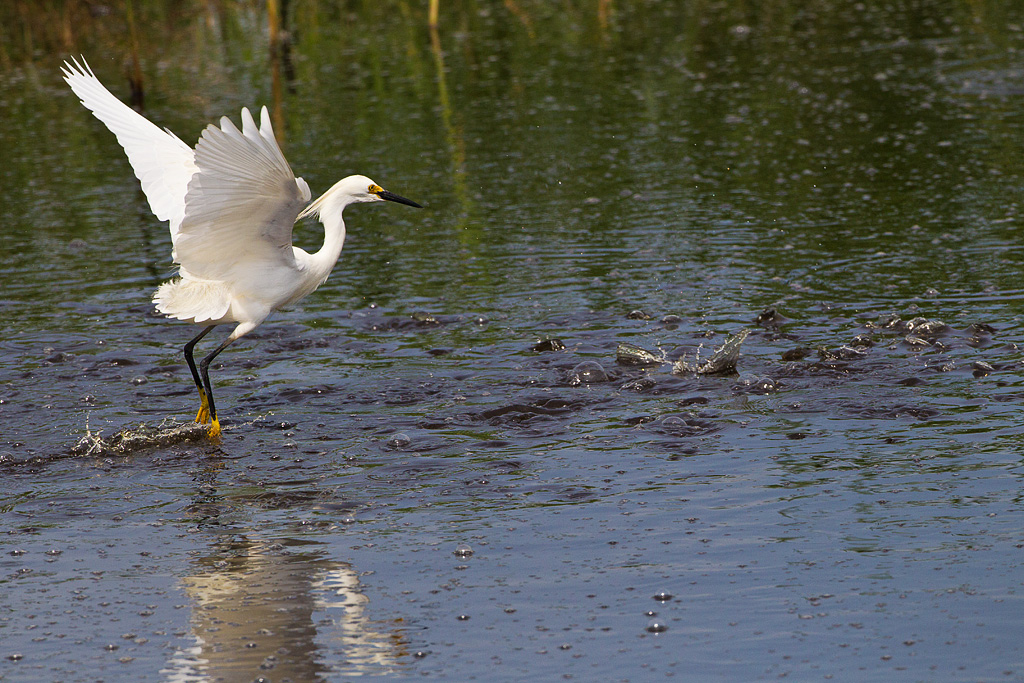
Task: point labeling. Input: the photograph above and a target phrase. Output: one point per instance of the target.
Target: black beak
(398, 199)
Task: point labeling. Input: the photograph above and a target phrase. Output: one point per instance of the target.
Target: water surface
(407, 484)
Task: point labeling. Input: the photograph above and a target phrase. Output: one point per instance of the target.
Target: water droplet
(656, 626)
(16, 657)
(631, 354)
(398, 441)
(862, 341)
(980, 368)
(139, 380)
(755, 384)
(110, 647)
(639, 385)
(348, 520)
(587, 372)
(463, 617)
(662, 596)
(17, 552)
(424, 318)
(548, 345)
(420, 654)
(463, 550)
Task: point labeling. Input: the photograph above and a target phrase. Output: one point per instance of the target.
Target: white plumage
(231, 204)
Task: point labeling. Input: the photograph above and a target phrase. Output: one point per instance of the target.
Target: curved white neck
(322, 262)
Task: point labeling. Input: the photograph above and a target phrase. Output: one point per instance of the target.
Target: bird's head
(359, 188)
(352, 190)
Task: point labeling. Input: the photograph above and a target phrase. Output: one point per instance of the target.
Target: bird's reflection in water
(280, 611)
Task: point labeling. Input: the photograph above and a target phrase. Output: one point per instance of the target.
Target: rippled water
(409, 484)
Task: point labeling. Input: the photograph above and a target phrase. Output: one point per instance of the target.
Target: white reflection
(284, 613)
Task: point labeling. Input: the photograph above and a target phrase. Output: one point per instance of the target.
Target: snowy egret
(231, 203)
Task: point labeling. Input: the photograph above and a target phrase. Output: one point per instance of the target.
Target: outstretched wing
(241, 204)
(162, 162)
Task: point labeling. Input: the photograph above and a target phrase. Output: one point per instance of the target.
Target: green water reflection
(772, 140)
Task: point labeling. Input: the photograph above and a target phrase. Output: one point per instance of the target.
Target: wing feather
(241, 204)
(161, 161)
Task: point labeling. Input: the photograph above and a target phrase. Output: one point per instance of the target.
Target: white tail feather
(196, 301)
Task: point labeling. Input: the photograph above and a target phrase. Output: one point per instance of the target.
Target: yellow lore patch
(375, 189)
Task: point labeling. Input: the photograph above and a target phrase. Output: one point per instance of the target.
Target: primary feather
(161, 161)
(241, 204)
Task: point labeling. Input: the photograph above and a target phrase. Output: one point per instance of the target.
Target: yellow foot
(203, 416)
(215, 429)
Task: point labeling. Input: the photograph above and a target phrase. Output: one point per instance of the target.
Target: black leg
(203, 416)
(204, 369)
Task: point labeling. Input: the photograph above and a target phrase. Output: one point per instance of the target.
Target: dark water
(407, 484)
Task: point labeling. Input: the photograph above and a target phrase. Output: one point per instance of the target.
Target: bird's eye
(375, 189)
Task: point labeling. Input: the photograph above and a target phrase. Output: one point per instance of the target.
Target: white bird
(231, 203)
